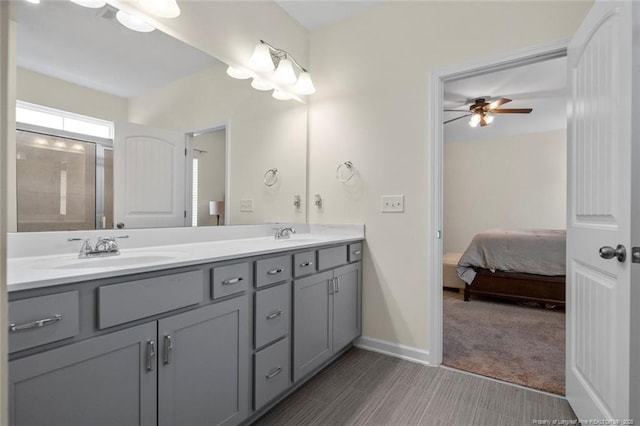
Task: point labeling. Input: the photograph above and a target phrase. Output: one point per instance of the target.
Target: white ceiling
(541, 86)
(74, 43)
(315, 14)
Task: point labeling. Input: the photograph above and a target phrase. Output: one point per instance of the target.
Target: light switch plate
(392, 203)
(246, 205)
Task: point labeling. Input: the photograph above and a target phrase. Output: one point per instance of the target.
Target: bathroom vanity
(213, 338)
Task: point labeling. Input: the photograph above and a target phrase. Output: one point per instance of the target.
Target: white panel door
(599, 213)
(149, 177)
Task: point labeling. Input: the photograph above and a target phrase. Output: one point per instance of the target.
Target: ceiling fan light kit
(481, 111)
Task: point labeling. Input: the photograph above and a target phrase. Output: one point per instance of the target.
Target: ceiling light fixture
(33, 1)
(92, 4)
(475, 120)
(274, 68)
(161, 8)
(133, 22)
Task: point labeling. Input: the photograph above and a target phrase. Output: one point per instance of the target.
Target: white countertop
(41, 271)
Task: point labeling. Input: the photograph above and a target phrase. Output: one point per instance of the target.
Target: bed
(521, 265)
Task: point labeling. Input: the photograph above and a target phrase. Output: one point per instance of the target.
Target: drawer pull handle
(35, 324)
(356, 252)
(232, 281)
(275, 271)
(274, 373)
(168, 349)
(151, 355)
(305, 264)
(274, 315)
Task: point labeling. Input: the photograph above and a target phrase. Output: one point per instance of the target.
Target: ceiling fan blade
(455, 110)
(483, 122)
(457, 118)
(512, 111)
(495, 104)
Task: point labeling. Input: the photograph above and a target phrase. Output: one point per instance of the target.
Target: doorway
(440, 79)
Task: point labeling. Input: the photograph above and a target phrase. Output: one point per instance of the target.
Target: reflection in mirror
(155, 81)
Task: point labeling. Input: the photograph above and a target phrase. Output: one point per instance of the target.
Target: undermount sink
(122, 260)
(295, 239)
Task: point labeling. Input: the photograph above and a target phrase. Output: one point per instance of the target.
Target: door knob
(619, 252)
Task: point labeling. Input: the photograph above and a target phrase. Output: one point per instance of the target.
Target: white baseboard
(395, 350)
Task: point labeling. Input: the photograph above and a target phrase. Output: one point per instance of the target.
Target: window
(42, 116)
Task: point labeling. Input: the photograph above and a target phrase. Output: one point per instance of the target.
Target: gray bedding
(534, 251)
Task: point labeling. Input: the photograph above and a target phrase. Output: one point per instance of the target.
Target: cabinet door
(346, 306)
(312, 322)
(100, 381)
(204, 359)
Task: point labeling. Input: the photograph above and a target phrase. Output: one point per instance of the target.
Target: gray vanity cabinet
(347, 322)
(326, 316)
(203, 364)
(99, 381)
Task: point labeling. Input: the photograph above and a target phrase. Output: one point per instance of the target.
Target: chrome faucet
(284, 233)
(104, 247)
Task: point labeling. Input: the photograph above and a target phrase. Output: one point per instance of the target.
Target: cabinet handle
(35, 324)
(232, 281)
(274, 373)
(168, 349)
(275, 271)
(305, 264)
(274, 315)
(337, 284)
(151, 355)
(356, 252)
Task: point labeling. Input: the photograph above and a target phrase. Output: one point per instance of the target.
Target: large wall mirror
(191, 145)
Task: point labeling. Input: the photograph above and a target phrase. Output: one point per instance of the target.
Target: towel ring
(349, 166)
(271, 177)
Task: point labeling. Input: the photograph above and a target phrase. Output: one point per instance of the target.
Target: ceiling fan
(480, 111)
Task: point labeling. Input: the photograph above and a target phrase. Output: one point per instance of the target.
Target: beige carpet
(517, 343)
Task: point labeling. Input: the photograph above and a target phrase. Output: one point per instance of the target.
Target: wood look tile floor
(367, 388)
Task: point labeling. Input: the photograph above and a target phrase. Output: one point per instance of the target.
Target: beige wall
(211, 173)
(372, 75)
(55, 93)
(509, 182)
(264, 133)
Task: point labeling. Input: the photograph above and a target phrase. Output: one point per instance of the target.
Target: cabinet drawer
(230, 279)
(273, 314)
(132, 300)
(355, 252)
(332, 257)
(44, 319)
(304, 263)
(269, 271)
(272, 374)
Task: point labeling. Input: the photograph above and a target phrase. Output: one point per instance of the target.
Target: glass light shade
(237, 73)
(261, 84)
(281, 95)
(161, 8)
(133, 22)
(304, 85)
(475, 120)
(93, 4)
(285, 73)
(488, 118)
(261, 58)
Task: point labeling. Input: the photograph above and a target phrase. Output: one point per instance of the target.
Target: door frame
(437, 79)
(188, 169)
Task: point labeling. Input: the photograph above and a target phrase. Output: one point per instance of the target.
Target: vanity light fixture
(92, 4)
(273, 68)
(259, 84)
(237, 73)
(33, 1)
(133, 22)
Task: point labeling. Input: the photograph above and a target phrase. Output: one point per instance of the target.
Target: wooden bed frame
(517, 286)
